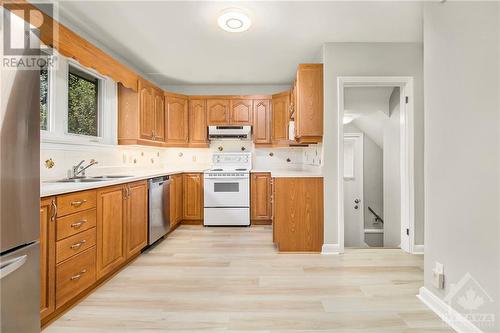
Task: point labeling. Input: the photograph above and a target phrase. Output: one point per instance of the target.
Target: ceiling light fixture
(234, 20)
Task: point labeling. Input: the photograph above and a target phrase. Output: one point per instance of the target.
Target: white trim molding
(418, 249)
(330, 249)
(450, 316)
(405, 83)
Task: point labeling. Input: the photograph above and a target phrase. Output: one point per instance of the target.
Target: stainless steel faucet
(79, 171)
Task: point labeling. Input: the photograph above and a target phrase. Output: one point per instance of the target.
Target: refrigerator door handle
(12, 265)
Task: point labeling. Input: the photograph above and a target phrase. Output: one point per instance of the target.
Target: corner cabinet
(177, 120)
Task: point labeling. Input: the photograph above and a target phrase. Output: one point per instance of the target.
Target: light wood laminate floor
(232, 279)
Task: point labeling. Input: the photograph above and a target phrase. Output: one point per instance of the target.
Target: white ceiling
(179, 43)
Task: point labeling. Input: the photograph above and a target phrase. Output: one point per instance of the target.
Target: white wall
(461, 63)
(369, 59)
(392, 173)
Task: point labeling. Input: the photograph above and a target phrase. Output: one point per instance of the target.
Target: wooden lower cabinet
(260, 198)
(193, 196)
(176, 199)
(298, 214)
(75, 275)
(110, 229)
(136, 217)
(47, 257)
(81, 247)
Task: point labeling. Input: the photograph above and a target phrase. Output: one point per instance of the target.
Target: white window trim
(57, 132)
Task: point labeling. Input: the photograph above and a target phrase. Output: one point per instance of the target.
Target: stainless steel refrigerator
(19, 200)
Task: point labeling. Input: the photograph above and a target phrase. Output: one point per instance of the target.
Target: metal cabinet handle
(78, 245)
(78, 203)
(78, 224)
(12, 265)
(79, 275)
(54, 210)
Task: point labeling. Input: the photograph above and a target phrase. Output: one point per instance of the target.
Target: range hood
(229, 132)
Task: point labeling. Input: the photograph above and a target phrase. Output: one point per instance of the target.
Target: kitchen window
(83, 102)
(78, 106)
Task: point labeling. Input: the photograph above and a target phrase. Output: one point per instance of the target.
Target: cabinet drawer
(75, 223)
(75, 202)
(75, 275)
(75, 244)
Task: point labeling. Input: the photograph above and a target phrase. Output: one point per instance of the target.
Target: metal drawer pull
(78, 245)
(78, 203)
(79, 275)
(78, 224)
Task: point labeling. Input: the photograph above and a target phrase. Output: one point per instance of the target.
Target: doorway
(376, 162)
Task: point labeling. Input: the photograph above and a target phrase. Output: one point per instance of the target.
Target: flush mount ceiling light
(234, 20)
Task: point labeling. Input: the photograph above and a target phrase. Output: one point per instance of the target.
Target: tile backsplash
(110, 158)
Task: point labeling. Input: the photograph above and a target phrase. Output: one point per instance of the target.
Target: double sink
(90, 179)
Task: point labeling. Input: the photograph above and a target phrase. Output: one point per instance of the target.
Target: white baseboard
(330, 249)
(450, 316)
(418, 249)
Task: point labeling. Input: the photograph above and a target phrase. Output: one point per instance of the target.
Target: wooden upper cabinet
(309, 103)
(47, 257)
(218, 111)
(260, 197)
(110, 229)
(193, 196)
(280, 117)
(136, 217)
(159, 107)
(146, 110)
(262, 121)
(198, 123)
(241, 112)
(177, 119)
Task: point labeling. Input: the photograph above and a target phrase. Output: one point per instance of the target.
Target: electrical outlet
(194, 158)
(438, 276)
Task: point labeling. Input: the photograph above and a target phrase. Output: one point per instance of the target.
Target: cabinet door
(147, 116)
(260, 196)
(261, 121)
(176, 111)
(47, 257)
(309, 103)
(218, 111)
(241, 112)
(159, 106)
(176, 199)
(280, 118)
(198, 122)
(193, 196)
(110, 229)
(136, 217)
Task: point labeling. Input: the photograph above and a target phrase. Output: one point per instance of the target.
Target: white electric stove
(227, 190)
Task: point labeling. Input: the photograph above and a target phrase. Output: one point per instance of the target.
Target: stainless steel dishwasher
(159, 208)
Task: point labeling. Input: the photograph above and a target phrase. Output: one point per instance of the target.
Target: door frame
(360, 140)
(405, 84)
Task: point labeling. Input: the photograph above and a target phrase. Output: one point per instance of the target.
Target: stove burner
(241, 169)
(216, 170)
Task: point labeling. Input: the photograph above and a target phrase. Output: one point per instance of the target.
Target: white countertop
(49, 188)
(282, 173)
